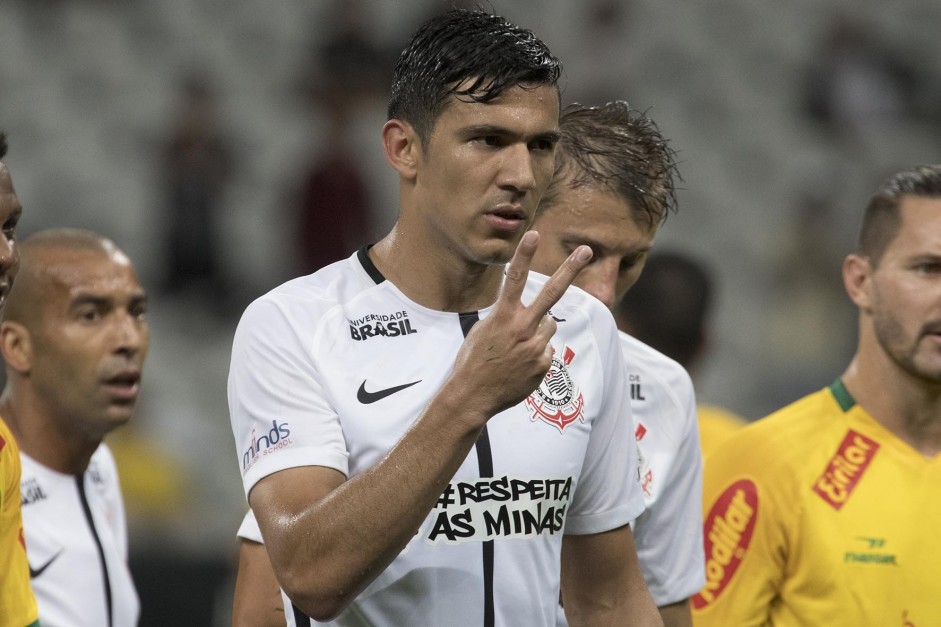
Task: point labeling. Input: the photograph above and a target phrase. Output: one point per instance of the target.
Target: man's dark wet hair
(881, 219)
(618, 150)
(669, 306)
(3, 145)
(469, 54)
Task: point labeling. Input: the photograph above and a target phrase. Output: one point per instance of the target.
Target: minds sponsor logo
(728, 530)
(381, 325)
(278, 437)
(500, 507)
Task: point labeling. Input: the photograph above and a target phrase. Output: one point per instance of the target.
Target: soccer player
(668, 309)
(428, 436)
(826, 511)
(17, 603)
(74, 337)
(612, 189)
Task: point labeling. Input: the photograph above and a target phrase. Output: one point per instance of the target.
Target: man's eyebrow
(598, 246)
(492, 129)
(93, 299)
(99, 301)
(552, 136)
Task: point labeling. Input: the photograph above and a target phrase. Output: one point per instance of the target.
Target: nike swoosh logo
(366, 398)
(33, 573)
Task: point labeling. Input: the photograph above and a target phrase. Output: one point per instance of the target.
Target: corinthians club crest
(556, 400)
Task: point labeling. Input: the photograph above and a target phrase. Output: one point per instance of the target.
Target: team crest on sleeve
(557, 400)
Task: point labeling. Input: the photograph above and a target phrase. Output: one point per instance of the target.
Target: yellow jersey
(17, 603)
(819, 516)
(715, 426)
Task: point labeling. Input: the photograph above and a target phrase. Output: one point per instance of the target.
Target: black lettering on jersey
(636, 393)
(457, 526)
(31, 492)
(375, 325)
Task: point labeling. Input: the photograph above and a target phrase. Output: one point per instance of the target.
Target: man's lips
(124, 385)
(506, 218)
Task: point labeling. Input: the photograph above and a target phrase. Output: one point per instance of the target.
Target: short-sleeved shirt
(331, 369)
(668, 535)
(818, 515)
(17, 603)
(76, 539)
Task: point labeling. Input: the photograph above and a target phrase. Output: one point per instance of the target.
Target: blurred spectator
(332, 200)
(333, 206)
(196, 167)
(858, 84)
(808, 326)
(669, 308)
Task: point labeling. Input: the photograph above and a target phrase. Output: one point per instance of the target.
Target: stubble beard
(907, 354)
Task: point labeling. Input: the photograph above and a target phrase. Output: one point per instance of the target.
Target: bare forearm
(352, 534)
(676, 614)
(602, 583)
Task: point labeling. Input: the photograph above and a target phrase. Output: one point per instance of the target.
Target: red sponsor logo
(727, 533)
(845, 469)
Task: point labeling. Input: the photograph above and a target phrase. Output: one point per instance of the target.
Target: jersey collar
(363, 255)
(843, 398)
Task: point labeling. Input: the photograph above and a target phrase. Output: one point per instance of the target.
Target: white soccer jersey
(668, 534)
(332, 368)
(76, 541)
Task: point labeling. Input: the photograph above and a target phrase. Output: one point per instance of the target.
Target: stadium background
(781, 134)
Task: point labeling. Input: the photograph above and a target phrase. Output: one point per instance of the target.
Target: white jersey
(331, 369)
(668, 534)
(76, 541)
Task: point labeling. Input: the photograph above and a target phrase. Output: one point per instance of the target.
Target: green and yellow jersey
(17, 604)
(818, 515)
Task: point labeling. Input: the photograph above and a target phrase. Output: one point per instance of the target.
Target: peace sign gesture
(506, 356)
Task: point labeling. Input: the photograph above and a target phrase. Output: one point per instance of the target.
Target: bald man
(74, 336)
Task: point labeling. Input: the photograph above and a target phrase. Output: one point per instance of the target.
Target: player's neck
(905, 405)
(42, 439)
(434, 278)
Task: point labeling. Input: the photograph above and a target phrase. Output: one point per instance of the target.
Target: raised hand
(506, 355)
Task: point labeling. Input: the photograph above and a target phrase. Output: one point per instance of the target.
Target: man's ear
(857, 278)
(16, 346)
(402, 147)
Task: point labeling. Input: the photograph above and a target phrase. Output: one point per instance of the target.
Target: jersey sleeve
(249, 530)
(281, 416)
(747, 511)
(668, 535)
(608, 494)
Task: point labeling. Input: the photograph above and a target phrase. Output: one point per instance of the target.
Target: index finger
(518, 269)
(560, 281)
